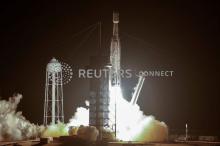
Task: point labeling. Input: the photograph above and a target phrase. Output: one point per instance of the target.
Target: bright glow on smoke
(131, 121)
(132, 124)
(55, 130)
(81, 117)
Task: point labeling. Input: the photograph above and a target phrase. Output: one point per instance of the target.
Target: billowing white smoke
(60, 129)
(87, 132)
(81, 117)
(132, 124)
(14, 126)
(55, 130)
(79, 124)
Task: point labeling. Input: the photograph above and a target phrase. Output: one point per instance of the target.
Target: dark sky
(171, 35)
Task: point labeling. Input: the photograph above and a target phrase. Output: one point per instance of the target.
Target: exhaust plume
(81, 117)
(13, 125)
(136, 126)
(133, 127)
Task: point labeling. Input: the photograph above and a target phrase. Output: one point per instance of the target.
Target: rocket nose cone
(115, 17)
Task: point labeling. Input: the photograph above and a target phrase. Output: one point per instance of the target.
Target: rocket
(115, 53)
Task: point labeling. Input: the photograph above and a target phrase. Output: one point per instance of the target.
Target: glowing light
(55, 130)
(132, 124)
(81, 117)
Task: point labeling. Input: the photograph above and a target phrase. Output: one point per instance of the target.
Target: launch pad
(70, 140)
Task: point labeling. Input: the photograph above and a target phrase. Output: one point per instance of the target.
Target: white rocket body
(115, 53)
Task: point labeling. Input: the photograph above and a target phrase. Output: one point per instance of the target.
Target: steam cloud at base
(13, 125)
(81, 117)
(55, 130)
(133, 127)
(132, 124)
(152, 130)
(87, 132)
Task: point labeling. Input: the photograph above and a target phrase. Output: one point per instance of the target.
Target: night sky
(182, 36)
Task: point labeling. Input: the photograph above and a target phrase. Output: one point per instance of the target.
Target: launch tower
(99, 96)
(100, 108)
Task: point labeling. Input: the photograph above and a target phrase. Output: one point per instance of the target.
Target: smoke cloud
(151, 130)
(133, 127)
(55, 130)
(87, 132)
(14, 126)
(132, 123)
(81, 117)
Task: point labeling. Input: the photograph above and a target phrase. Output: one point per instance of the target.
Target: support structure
(53, 104)
(99, 110)
(99, 96)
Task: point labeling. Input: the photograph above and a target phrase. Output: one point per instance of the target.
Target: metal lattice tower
(99, 96)
(53, 106)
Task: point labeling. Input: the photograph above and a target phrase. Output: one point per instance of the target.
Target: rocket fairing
(115, 53)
